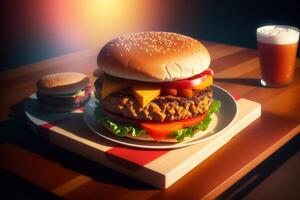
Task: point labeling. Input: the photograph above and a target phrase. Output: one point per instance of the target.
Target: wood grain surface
(71, 177)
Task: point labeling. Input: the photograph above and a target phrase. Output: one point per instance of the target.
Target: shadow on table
(14, 187)
(241, 81)
(16, 132)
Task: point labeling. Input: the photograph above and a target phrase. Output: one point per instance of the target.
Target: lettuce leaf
(117, 128)
(202, 126)
(121, 129)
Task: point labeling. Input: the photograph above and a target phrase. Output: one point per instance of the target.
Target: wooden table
(69, 176)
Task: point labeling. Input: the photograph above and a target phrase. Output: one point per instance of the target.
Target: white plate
(219, 124)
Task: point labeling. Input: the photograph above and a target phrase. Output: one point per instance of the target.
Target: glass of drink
(277, 47)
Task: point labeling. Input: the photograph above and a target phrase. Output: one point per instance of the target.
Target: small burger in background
(63, 92)
(155, 86)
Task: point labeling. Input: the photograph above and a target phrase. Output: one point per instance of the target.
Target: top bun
(62, 83)
(153, 57)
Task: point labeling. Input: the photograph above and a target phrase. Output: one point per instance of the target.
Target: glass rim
(278, 25)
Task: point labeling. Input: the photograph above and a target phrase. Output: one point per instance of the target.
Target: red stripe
(43, 129)
(140, 157)
(48, 125)
(51, 124)
(236, 97)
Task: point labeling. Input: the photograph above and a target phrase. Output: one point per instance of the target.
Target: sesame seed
(151, 42)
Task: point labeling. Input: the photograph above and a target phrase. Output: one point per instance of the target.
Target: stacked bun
(64, 91)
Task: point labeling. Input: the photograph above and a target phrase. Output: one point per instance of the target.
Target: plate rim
(171, 146)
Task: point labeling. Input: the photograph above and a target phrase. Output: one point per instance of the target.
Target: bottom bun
(168, 139)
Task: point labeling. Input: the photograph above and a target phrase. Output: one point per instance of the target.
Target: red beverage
(277, 47)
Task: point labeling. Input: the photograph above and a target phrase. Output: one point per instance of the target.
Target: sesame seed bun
(153, 57)
(62, 83)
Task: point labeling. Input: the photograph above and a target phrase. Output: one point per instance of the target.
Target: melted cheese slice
(145, 93)
(109, 87)
(208, 82)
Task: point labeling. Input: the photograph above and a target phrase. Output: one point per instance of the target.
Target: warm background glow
(39, 29)
(89, 22)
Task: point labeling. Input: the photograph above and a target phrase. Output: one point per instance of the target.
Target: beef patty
(162, 108)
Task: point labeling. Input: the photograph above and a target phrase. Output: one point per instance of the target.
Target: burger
(63, 92)
(154, 86)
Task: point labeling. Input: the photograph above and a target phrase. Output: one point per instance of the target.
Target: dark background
(231, 22)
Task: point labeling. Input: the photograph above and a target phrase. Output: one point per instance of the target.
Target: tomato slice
(185, 92)
(190, 82)
(159, 131)
(169, 91)
(192, 121)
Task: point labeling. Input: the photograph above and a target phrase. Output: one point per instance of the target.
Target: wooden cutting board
(160, 168)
